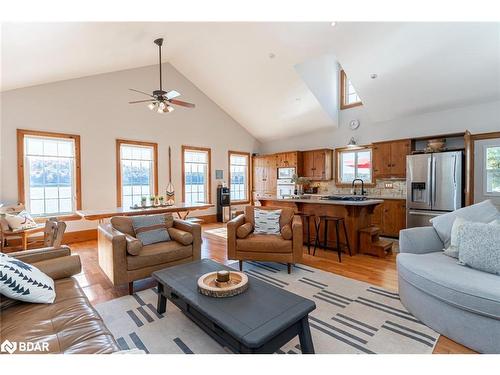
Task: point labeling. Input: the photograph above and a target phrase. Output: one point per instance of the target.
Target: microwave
(287, 173)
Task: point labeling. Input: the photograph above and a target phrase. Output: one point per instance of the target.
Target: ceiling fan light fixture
(168, 108)
(152, 106)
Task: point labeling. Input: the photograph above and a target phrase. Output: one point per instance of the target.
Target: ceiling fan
(161, 100)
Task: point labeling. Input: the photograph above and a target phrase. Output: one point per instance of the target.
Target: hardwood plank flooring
(380, 272)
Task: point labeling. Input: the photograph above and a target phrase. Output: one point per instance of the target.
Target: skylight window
(348, 95)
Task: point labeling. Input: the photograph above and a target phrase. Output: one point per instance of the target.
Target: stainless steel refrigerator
(434, 186)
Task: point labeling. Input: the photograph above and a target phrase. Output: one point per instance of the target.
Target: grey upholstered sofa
(456, 301)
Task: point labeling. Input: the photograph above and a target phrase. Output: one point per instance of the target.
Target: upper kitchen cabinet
(317, 164)
(389, 158)
(292, 159)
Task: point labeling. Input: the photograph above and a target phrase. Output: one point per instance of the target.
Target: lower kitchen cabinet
(390, 217)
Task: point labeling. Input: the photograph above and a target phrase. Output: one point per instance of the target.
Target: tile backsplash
(398, 189)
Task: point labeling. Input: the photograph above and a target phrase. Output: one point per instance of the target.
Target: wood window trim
(21, 133)
(208, 150)
(337, 165)
(120, 142)
(249, 157)
(343, 104)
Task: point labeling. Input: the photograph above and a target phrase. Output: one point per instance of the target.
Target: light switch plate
(388, 185)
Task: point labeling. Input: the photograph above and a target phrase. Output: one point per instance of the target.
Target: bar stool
(337, 221)
(306, 218)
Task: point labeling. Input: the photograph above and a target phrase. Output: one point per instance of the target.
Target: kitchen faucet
(363, 191)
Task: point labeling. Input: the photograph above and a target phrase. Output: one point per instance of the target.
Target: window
(48, 172)
(196, 174)
(137, 171)
(354, 164)
(348, 96)
(492, 170)
(239, 171)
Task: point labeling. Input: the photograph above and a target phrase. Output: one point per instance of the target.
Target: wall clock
(354, 124)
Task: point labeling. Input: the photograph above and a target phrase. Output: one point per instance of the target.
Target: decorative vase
(300, 189)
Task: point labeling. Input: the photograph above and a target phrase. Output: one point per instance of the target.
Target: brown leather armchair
(124, 260)
(70, 325)
(243, 244)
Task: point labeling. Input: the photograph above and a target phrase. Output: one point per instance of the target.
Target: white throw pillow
(20, 221)
(452, 250)
(266, 221)
(24, 282)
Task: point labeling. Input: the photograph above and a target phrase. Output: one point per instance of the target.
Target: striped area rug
(350, 317)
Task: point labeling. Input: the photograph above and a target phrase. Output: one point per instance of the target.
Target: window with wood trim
(239, 176)
(354, 163)
(196, 186)
(491, 171)
(348, 96)
(136, 171)
(49, 180)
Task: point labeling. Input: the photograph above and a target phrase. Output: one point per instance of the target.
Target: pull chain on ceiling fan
(161, 100)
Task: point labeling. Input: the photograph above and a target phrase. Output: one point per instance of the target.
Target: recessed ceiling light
(272, 55)
(373, 76)
(332, 24)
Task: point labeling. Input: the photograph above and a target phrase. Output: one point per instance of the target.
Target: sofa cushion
(441, 277)
(264, 243)
(483, 212)
(479, 246)
(150, 229)
(69, 325)
(159, 253)
(244, 230)
(181, 236)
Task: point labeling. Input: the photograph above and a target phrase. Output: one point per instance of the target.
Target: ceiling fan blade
(172, 94)
(142, 92)
(181, 103)
(142, 101)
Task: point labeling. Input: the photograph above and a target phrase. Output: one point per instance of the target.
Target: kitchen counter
(356, 215)
(367, 202)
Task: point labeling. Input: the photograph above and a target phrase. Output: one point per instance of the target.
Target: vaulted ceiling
(272, 77)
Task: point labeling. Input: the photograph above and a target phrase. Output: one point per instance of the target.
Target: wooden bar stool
(306, 218)
(337, 221)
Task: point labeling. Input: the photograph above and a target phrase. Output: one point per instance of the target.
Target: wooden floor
(380, 272)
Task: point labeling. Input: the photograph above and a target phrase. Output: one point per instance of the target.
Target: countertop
(367, 202)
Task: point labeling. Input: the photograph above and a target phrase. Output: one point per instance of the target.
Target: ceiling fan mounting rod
(159, 43)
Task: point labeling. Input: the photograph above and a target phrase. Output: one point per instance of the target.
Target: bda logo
(9, 347)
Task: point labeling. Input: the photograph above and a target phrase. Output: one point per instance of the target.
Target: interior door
(447, 181)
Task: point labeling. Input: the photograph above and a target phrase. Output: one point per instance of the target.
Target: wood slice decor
(223, 284)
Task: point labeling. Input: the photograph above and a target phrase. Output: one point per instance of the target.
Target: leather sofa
(70, 325)
(122, 265)
(265, 247)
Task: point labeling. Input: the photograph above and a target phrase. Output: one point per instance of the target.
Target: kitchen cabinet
(390, 217)
(292, 159)
(317, 164)
(389, 158)
(264, 175)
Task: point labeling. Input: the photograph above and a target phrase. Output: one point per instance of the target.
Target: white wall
(479, 118)
(96, 108)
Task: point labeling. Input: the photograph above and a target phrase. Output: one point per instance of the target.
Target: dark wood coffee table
(260, 320)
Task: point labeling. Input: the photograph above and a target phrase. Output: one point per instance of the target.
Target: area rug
(219, 232)
(350, 317)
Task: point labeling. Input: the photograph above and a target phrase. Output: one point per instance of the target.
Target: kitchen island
(355, 213)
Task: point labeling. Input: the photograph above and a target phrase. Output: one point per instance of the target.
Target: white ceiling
(421, 67)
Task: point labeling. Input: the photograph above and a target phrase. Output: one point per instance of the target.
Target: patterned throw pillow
(150, 229)
(20, 221)
(24, 282)
(479, 246)
(267, 221)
